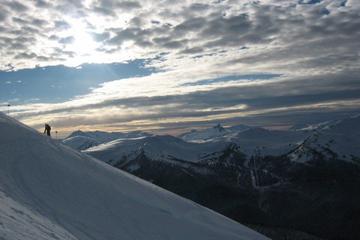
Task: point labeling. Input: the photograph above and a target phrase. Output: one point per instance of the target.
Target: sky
(168, 66)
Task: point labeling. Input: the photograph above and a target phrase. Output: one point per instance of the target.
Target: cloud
(26, 56)
(128, 5)
(100, 37)
(61, 25)
(16, 6)
(42, 4)
(199, 7)
(110, 7)
(186, 29)
(249, 77)
(253, 101)
(309, 49)
(67, 40)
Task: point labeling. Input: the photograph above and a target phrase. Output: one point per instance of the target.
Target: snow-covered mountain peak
(48, 191)
(77, 133)
(161, 147)
(80, 140)
(351, 122)
(205, 135)
(337, 140)
(216, 133)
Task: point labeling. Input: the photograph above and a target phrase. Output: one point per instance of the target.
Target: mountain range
(260, 177)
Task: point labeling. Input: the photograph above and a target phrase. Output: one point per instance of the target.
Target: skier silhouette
(47, 129)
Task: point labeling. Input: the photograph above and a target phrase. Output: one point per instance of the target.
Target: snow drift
(48, 191)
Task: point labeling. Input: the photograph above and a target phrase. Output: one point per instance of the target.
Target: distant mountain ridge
(83, 140)
(163, 147)
(216, 133)
(340, 137)
(335, 140)
(249, 172)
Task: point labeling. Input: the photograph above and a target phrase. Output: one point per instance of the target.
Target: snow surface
(49, 191)
(168, 148)
(250, 139)
(336, 140)
(80, 140)
(157, 147)
(216, 133)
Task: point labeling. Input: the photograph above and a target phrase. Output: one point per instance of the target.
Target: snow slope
(156, 147)
(80, 140)
(168, 148)
(48, 191)
(336, 140)
(249, 138)
(206, 135)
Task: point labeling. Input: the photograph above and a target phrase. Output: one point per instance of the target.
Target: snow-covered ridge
(48, 191)
(157, 147)
(102, 136)
(83, 140)
(216, 133)
(249, 138)
(338, 140)
(334, 139)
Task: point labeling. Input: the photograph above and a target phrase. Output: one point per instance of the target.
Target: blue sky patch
(59, 83)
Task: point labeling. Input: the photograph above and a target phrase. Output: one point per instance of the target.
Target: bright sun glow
(83, 44)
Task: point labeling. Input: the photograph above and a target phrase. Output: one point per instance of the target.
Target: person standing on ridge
(47, 129)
